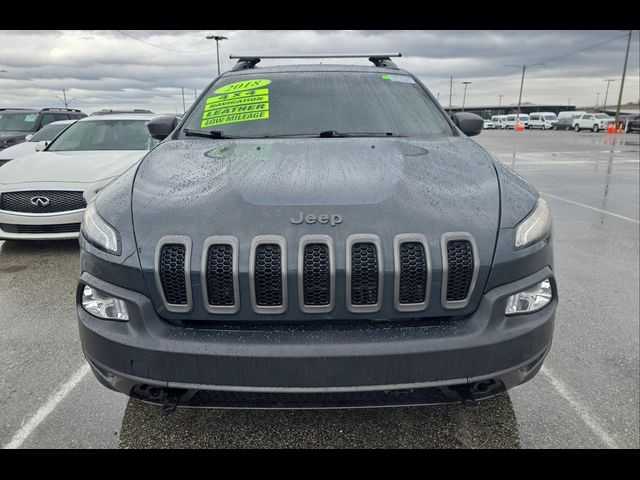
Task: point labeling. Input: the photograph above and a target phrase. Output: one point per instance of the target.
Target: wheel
(595, 129)
(577, 128)
(544, 127)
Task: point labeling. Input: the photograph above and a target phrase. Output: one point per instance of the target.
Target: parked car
(510, 121)
(110, 111)
(17, 123)
(363, 251)
(565, 123)
(43, 195)
(592, 121)
(45, 134)
(631, 123)
(488, 124)
(542, 120)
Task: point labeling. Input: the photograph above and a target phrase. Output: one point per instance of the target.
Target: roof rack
(378, 59)
(15, 108)
(64, 109)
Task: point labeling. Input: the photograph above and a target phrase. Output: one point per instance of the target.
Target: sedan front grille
(42, 201)
(40, 229)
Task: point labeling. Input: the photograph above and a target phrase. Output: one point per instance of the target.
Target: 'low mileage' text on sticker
(237, 102)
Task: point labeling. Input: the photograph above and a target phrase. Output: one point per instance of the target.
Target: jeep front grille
(268, 274)
(42, 201)
(220, 274)
(460, 269)
(364, 273)
(173, 259)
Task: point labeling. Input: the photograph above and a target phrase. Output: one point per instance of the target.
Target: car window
(47, 118)
(18, 122)
(48, 132)
(289, 103)
(105, 135)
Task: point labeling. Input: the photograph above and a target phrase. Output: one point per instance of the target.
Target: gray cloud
(108, 69)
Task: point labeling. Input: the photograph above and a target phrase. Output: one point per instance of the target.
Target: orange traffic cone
(620, 130)
(519, 127)
(611, 128)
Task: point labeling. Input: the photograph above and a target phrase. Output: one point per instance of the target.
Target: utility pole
(64, 100)
(195, 95)
(464, 97)
(500, 97)
(184, 106)
(606, 94)
(450, 93)
(217, 38)
(569, 102)
(624, 72)
(524, 69)
(597, 99)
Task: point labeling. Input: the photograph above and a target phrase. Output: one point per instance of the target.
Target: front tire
(595, 129)
(577, 128)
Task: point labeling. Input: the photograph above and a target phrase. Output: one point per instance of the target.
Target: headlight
(97, 231)
(101, 305)
(535, 227)
(530, 300)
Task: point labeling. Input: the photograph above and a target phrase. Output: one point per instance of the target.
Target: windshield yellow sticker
(239, 86)
(237, 102)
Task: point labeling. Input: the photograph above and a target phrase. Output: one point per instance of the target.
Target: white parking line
(43, 412)
(582, 411)
(591, 208)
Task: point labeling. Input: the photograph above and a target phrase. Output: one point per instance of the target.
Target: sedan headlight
(101, 305)
(97, 231)
(530, 300)
(535, 227)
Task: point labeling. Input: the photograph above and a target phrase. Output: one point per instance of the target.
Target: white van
(543, 120)
(499, 121)
(510, 121)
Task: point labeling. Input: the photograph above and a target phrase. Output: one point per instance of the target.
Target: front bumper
(54, 226)
(317, 365)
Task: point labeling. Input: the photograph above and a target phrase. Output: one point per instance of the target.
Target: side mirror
(28, 137)
(41, 145)
(470, 123)
(162, 126)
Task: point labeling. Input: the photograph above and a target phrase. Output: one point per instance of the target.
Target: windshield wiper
(334, 133)
(206, 133)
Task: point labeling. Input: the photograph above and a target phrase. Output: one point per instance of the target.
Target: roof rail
(15, 108)
(60, 109)
(378, 59)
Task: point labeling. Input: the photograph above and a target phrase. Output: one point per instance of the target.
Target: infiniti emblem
(40, 201)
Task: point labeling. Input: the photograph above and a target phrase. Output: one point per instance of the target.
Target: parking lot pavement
(586, 395)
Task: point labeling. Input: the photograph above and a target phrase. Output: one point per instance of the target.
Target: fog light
(101, 305)
(531, 299)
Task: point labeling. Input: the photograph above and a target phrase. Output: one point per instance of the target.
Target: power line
(160, 46)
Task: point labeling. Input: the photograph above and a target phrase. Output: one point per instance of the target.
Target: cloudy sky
(117, 69)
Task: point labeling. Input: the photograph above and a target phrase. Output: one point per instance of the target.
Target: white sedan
(45, 134)
(43, 195)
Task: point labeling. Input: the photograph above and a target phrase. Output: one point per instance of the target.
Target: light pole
(597, 99)
(184, 106)
(217, 38)
(65, 101)
(464, 97)
(524, 69)
(500, 101)
(624, 72)
(450, 93)
(606, 93)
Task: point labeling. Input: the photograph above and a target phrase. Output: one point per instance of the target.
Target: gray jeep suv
(316, 236)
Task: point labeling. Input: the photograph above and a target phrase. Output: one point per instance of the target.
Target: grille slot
(173, 260)
(316, 274)
(364, 273)
(59, 201)
(36, 229)
(412, 272)
(460, 269)
(268, 274)
(220, 274)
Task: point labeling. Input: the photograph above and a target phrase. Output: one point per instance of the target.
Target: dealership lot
(586, 395)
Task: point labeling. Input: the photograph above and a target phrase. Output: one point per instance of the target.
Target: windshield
(48, 132)
(18, 122)
(104, 135)
(291, 103)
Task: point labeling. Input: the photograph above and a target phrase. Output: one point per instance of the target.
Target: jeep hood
(383, 186)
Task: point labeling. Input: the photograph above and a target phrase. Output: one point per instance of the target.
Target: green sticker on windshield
(239, 86)
(237, 102)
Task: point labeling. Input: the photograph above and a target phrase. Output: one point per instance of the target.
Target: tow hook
(170, 403)
(466, 396)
